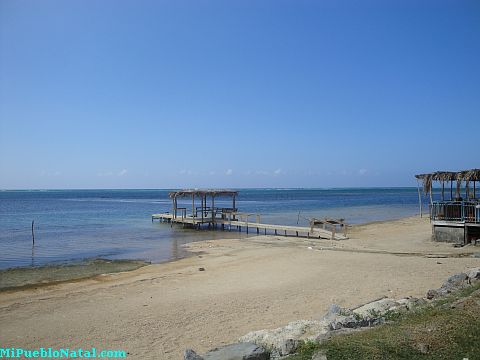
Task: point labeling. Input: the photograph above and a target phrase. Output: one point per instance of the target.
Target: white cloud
(261, 172)
(362, 172)
(122, 172)
(229, 172)
(277, 172)
(49, 173)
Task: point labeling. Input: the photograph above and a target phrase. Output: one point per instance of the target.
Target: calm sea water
(116, 224)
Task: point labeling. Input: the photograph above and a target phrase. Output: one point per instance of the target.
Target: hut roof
(465, 175)
(202, 192)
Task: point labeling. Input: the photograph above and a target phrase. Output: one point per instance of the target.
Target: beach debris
(201, 269)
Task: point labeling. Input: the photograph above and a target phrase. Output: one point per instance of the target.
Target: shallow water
(116, 224)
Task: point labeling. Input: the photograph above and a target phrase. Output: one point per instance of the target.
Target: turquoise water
(72, 225)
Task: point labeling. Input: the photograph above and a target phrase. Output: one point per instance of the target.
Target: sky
(171, 94)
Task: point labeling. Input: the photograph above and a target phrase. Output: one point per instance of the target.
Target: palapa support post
(431, 195)
(234, 208)
(420, 199)
(193, 206)
(213, 210)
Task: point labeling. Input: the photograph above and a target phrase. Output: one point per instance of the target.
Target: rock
(456, 280)
(355, 322)
(453, 283)
(423, 348)
(289, 346)
(409, 304)
(432, 294)
(238, 351)
(201, 269)
(319, 355)
(284, 340)
(189, 354)
(375, 308)
(333, 311)
(473, 274)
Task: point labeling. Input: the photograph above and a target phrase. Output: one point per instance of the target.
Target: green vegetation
(448, 329)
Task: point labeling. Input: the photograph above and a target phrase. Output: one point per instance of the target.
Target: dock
(230, 218)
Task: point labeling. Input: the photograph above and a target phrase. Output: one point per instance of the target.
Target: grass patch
(448, 329)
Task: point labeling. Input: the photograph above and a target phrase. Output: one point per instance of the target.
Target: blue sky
(155, 94)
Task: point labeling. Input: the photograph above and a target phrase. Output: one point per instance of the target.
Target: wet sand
(261, 282)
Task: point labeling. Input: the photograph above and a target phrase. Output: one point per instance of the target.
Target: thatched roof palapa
(202, 192)
(444, 176)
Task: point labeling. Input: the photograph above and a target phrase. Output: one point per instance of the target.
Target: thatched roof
(442, 176)
(469, 175)
(202, 192)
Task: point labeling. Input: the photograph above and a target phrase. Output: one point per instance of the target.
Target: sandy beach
(155, 312)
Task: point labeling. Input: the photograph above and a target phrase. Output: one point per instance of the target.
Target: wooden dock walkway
(232, 222)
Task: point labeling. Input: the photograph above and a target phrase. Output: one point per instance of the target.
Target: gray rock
(189, 354)
(432, 294)
(453, 283)
(423, 348)
(375, 308)
(332, 311)
(408, 304)
(319, 355)
(456, 280)
(355, 322)
(473, 275)
(238, 351)
(289, 346)
(284, 340)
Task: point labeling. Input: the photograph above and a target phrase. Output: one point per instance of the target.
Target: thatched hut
(203, 211)
(461, 213)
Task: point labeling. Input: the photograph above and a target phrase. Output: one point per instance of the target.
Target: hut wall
(449, 234)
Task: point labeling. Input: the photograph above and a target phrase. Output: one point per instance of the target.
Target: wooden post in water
(33, 233)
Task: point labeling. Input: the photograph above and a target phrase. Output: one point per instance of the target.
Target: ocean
(76, 225)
